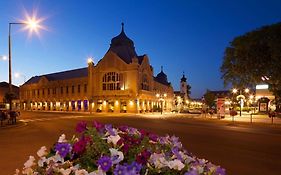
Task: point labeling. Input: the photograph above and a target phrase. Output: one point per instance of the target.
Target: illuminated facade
(121, 81)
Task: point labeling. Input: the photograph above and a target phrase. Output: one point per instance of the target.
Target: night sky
(185, 35)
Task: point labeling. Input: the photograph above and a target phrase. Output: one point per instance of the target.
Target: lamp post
(240, 97)
(161, 99)
(32, 24)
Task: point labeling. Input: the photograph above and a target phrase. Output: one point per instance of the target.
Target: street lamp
(18, 75)
(241, 97)
(161, 99)
(32, 24)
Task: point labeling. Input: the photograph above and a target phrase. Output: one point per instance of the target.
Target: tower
(183, 86)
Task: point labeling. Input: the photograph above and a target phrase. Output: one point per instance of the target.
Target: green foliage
(188, 91)
(252, 56)
(9, 97)
(210, 99)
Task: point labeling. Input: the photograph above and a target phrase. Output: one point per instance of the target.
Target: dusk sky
(185, 35)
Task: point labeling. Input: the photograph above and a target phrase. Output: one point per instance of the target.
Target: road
(240, 148)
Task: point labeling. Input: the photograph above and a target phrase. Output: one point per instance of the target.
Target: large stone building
(121, 81)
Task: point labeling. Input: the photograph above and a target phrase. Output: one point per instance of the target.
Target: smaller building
(265, 98)
(181, 97)
(4, 89)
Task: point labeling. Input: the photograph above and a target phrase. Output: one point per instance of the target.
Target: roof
(4, 84)
(183, 79)
(123, 46)
(75, 73)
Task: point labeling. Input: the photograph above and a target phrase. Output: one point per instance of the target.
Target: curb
(17, 125)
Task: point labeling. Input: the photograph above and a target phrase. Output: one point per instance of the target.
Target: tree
(209, 99)
(188, 87)
(255, 57)
(9, 97)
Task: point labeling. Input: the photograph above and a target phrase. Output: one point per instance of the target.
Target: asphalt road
(240, 148)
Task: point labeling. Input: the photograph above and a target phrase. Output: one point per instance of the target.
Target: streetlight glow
(89, 60)
(17, 75)
(247, 90)
(3, 57)
(234, 91)
(32, 23)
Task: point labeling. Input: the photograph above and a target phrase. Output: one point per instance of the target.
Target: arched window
(111, 81)
(145, 83)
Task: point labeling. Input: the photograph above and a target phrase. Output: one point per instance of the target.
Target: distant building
(181, 96)
(4, 89)
(264, 98)
(121, 81)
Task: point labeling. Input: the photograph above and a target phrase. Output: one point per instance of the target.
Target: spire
(183, 79)
(161, 68)
(122, 26)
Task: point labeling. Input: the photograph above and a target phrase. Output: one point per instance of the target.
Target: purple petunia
(110, 130)
(63, 149)
(175, 151)
(120, 170)
(132, 169)
(81, 127)
(220, 171)
(105, 163)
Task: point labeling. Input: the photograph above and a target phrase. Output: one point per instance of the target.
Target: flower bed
(104, 149)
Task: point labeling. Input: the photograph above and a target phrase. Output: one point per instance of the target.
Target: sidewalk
(255, 118)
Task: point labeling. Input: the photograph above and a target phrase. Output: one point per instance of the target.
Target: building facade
(121, 81)
(4, 89)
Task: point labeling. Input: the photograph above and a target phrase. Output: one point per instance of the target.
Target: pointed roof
(162, 77)
(123, 46)
(183, 79)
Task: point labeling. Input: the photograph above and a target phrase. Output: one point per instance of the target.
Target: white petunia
(116, 156)
(113, 139)
(81, 172)
(176, 164)
(17, 172)
(30, 162)
(62, 138)
(65, 171)
(42, 151)
(41, 161)
(27, 171)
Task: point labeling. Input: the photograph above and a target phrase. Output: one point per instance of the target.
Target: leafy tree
(255, 57)
(9, 97)
(209, 98)
(188, 91)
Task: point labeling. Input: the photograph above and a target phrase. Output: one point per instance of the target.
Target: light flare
(33, 23)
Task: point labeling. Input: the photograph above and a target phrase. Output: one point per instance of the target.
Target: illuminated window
(111, 81)
(145, 84)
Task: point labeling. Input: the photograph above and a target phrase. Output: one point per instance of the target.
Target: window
(38, 92)
(145, 83)
(67, 89)
(54, 91)
(85, 88)
(111, 81)
(61, 90)
(78, 88)
(48, 91)
(72, 89)
(33, 93)
(43, 92)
